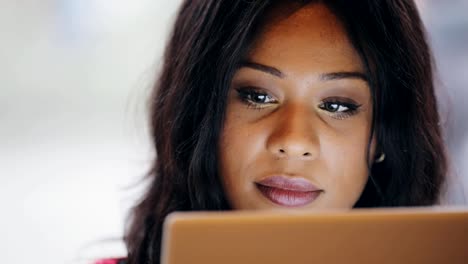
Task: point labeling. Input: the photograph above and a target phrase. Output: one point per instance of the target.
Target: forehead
(307, 38)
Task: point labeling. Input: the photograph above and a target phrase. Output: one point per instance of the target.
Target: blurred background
(74, 79)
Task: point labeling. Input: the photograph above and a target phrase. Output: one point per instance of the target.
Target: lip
(288, 191)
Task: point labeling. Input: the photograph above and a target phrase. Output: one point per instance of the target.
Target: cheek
(241, 142)
(345, 158)
(230, 144)
(237, 151)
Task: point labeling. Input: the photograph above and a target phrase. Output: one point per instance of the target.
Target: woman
(299, 104)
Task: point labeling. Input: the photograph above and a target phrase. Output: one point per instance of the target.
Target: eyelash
(246, 96)
(352, 108)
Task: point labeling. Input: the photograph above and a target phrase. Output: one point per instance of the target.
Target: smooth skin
(299, 106)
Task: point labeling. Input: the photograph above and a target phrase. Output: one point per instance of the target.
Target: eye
(255, 97)
(339, 108)
(335, 107)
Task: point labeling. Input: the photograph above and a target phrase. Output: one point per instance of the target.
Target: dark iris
(258, 98)
(331, 107)
(253, 96)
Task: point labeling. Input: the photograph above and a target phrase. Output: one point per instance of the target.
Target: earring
(380, 158)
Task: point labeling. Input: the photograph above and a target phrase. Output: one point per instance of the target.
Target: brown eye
(334, 107)
(258, 97)
(252, 96)
(339, 108)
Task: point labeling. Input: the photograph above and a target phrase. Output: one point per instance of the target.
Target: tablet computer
(405, 235)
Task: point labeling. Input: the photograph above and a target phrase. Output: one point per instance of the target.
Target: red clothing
(111, 261)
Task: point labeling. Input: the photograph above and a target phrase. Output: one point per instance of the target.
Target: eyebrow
(329, 76)
(263, 68)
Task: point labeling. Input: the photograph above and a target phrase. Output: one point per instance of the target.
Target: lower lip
(288, 198)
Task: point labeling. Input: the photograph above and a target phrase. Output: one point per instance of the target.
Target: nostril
(282, 151)
(306, 154)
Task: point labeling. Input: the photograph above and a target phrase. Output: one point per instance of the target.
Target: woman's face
(298, 117)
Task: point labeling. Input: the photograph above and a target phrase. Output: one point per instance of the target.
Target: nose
(294, 135)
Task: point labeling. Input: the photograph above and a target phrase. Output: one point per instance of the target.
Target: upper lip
(297, 184)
